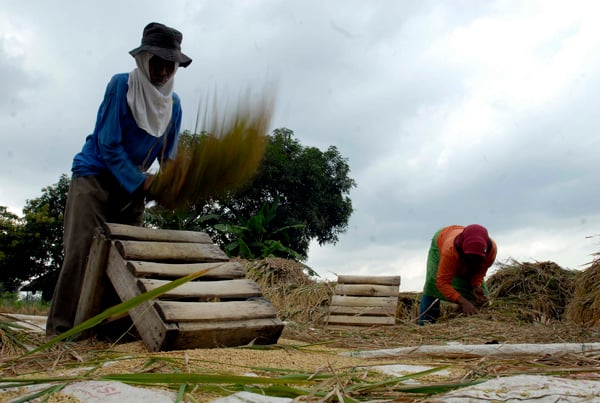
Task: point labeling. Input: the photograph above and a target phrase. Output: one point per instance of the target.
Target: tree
(312, 185)
(312, 188)
(42, 234)
(12, 250)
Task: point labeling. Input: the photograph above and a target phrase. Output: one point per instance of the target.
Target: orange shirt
(450, 265)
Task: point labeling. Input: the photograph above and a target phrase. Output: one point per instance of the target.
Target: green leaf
(156, 378)
(121, 308)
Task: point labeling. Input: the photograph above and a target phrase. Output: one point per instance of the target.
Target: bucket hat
(164, 42)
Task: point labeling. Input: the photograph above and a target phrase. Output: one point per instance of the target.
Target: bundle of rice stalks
(408, 306)
(273, 271)
(537, 291)
(221, 156)
(584, 308)
(292, 292)
(13, 338)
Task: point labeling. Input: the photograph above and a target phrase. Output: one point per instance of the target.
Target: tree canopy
(12, 252)
(34, 242)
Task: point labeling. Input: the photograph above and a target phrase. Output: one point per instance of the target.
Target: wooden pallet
(364, 301)
(221, 308)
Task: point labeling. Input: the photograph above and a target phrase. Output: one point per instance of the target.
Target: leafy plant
(253, 238)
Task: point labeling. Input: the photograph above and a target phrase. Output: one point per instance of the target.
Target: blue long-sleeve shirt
(118, 145)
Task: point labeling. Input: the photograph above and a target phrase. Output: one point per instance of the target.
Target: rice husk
(221, 156)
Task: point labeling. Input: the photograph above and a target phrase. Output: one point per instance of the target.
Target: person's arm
(110, 137)
(446, 272)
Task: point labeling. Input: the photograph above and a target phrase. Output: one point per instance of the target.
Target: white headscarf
(151, 106)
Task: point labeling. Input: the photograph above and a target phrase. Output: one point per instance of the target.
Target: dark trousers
(91, 201)
(429, 311)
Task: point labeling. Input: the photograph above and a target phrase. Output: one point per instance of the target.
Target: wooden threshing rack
(221, 308)
(364, 301)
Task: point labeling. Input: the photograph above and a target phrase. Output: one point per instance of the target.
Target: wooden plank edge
(361, 320)
(170, 251)
(95, 281)
(217, 270)
(366, 290)
(157, 335)
(224, 289)
(363, 311)
(376, 280)
(177, 311)
(228, 334)
(123, 231)
(342, 300)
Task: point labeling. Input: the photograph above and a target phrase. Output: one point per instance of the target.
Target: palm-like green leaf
(120, 309)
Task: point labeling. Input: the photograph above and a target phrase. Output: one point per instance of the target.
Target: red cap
(475, 240)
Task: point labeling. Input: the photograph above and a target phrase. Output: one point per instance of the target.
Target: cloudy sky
(449, 112)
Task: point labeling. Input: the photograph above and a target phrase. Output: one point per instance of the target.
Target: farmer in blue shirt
(138, 123)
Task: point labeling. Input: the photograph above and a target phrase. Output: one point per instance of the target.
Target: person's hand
(467, 307)
(480, 296)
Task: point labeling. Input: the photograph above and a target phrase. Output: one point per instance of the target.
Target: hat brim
(167, 54)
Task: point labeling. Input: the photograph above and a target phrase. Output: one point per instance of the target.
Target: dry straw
(537, 291)
(221, 156)
(313, 369)
(293, 293)
(584, 308)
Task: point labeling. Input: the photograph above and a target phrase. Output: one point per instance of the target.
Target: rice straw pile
(292, 292)
(408, 306)
(584, 308)
(537, 291)
(220, 157)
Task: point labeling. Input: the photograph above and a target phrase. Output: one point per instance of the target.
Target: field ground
(311, 349)
(551, 314)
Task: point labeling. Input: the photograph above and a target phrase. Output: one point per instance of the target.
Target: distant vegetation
(23, 304)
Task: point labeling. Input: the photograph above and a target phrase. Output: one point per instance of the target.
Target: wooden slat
(95, 283)
(174, 311)
(226, 334)
(162, 255)
(363, 310)
(364, 301)
(156, 334)
(361, 320)
(366, 290)
(122, 231)
(218, 270)
(170, 251)
(231, 289)
(378, 280)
